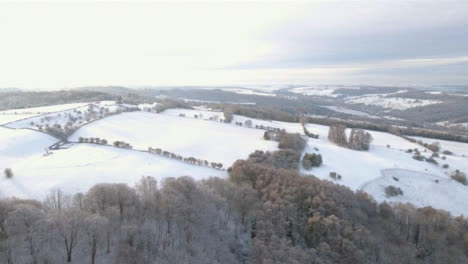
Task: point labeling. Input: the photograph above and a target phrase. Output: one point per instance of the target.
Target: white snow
(344, 110)
(200, 113)
(12, 115)
(8, 118)
(18, 145)
(359, 167)
(80, 167)
(397, 103)
(248, 91)
(75, 117)
(458, 148)
(315, 91)
(421, 189)
(43, 109)
(209, 140)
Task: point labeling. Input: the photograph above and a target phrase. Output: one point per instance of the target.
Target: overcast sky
(63, 45)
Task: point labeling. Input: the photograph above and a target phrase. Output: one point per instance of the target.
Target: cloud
(56, 45)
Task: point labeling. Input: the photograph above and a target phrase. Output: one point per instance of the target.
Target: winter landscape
(243, 132)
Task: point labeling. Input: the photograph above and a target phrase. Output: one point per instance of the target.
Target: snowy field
(196, 113)
(421, 190)
(359, 167)
(13, 115)
(249, 91)
(83, 165)
(209, 140)
(396, 103)
(458, 148)
(348, 111)
(8, 118)
(75, 116)
(314, 91)
(17, 146)
(43, 109)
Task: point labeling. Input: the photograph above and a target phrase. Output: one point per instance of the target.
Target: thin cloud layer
(62, 45)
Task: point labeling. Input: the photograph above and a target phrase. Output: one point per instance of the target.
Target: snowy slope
(397, 103)
(43, 109)
(200, 113)
(75, 117)
(17, 146)
(210, 140)
(421, 190)
(359, 167)
(459, 159)
(315, 91)
(458, 148)
(8, 118)
(22, 142)
(12, 115)
(80, 167)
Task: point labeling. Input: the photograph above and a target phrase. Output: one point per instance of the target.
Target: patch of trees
(257, 112)
(459, 177)
(8, 173)
(271, 133)
(325, 223)
(447, 152)
(391, 191)
(281, 159)
(77, 119)
(168, 104)
(122, 144)
(292, 141)
(18, 100)
(246, 123)
(358, 138)
(190, 160)
(57, 131)
(311, 160)
(93, 140)
(309, 134)
(180, 221)
(228, 114)
(335, 176)
(434, 146)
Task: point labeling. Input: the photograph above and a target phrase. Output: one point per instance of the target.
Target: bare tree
(359, 139)
(94, 233)
(337, 134)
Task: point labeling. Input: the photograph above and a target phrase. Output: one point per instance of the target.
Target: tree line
(190, 160)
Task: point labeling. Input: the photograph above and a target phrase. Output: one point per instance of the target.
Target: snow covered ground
(249, 91)
(209, 140)
(8, 116)
(197, 113)
(314, 91)
(458, 148)
(75, 116)
(459, 159)
(83, 165)
(17, 146)
(43, 109)
(421, 189)
(397, 103)
(348, 111)
(359, 167)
